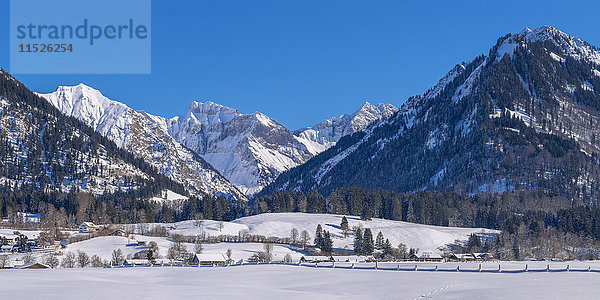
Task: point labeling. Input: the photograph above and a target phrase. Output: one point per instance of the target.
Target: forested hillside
(523, 117)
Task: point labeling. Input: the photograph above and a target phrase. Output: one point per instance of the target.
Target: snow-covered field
(290, 282)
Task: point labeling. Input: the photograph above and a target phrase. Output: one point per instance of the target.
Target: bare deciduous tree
(228, 253)
(287, 258)
(177, 251)
(304, 238)
(68, 261)
(268, 250)
(52, 261)
(96, 262)
(83, 259)
(198, 246)
(117, 257)
(28, 258)
(294, 236)
(4, 261)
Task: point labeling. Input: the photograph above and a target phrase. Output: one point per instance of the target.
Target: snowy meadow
(291, 282)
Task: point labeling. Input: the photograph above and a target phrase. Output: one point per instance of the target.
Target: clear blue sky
(304, 61)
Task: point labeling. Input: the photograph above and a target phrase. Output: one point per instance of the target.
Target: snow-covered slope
(251, 150)
(328, 132)
(143, 134)
(423, 237)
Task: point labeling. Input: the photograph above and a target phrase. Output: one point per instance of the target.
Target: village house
(430, 256)
(34, 265)
(462, 257)
(135, 262)
(87, 227)
(29, 218)
(208, 259)
(483, 256)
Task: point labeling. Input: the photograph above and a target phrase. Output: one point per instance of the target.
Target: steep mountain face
(42, 150)
(251, 150)
(328, 132)
(523, 117)
(144, 135)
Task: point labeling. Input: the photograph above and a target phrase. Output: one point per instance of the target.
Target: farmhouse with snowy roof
(208, 259)
(87, 227)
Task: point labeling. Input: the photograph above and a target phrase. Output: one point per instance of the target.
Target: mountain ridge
(520, 118)
(143, 134)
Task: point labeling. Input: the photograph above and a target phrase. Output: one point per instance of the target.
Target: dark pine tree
(319, 237)
(367, 245)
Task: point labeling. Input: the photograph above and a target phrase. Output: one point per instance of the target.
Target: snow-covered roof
(430, 255)
(211, 257)
(481, 254)
(463, 255)
(136, 261)
(25, 266)
(88, 224)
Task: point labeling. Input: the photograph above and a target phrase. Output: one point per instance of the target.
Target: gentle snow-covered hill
(251, 150)
(143, 134)
(423, 237)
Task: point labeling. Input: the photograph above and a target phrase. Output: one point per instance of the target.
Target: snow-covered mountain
(523, 117)
(44, 151)
(251, 150)
(328, 132)
(144, 135)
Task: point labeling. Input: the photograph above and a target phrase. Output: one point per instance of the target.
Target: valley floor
(291, 282)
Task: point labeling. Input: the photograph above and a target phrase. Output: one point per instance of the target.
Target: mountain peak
(542, 33)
